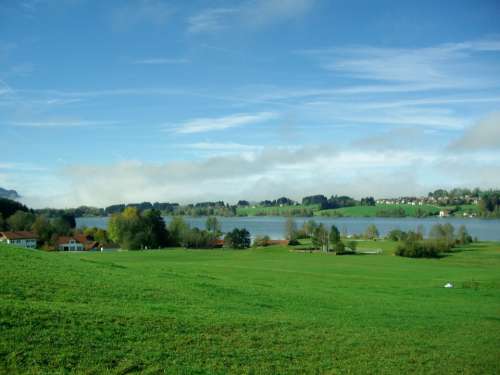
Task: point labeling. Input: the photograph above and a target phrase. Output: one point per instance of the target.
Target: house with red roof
(23, 238)
(78, 242)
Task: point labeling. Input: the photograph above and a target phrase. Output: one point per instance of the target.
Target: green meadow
(275, 210)
(373, 211)
(258, 311)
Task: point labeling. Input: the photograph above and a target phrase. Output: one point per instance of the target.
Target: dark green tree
(334, 235)
(237, 239)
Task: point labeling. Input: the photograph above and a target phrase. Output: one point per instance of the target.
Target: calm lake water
(273, 226)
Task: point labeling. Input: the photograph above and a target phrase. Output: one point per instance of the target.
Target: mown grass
(256, 311)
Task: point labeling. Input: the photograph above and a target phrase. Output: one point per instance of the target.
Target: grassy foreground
(256, 311)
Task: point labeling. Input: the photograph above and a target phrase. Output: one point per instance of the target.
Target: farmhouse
(19, 238)
(76, 243)
(444, 213)
(217, 243)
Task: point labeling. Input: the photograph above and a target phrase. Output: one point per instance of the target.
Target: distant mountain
(9, 194)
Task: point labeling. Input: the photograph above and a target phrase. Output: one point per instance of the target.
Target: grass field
(372, 211)
(275, 210)
(260, 311)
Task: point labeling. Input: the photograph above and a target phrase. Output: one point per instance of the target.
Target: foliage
(213, 226)
(463, 236)
(319, 199)
(9, 207)
(290, 229)
(176, 228)
(261, 241)
(371, 232)
(133, 230)
(368, 201)
(97, 234)
(21, 220)
(444, 233)
(420, 249)
(309, 228)
(353, 245)
(489, 204)
(194, 238)
(320, 238)
(237, 239)
(43, 229)
(334, 235)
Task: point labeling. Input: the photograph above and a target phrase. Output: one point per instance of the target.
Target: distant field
(280, 211)
(356, 211)
(263, 311)
(371, 211)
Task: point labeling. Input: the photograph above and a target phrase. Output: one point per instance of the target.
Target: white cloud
(272, 172)
(484, 135)
(200, 125)
(253, 14)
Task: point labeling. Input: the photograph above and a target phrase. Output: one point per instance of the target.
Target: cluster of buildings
(437, 201)
(78, 242)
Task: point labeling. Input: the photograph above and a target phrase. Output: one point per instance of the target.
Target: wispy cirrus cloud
(201, 125)
(448, 65)
(253, 14)
(210, 20)
(133, 13)
(225, 147)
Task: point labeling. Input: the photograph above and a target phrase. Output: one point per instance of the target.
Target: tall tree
(290, 229)
(320, 238)
(21, 220)
(43, 228)
(155, 229)
(213, 226)
(334, 235)
(177, 228)
(371, 232)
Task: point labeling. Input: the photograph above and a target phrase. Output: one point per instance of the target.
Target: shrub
(261, 241)
(352, 245)
(197, 239)
(237, 239)
(421, 249)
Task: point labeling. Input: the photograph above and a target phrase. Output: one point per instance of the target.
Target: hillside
(9, 194)
(256, 311)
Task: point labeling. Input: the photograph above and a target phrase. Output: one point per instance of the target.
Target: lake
(273, 226)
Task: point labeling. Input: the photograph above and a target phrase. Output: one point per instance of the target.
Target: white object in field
(448, 285)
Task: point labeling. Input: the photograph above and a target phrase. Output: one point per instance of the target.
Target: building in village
(25, 239)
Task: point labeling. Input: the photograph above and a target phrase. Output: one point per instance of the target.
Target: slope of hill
(9, 194)
(260, 311)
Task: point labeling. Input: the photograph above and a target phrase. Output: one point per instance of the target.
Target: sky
(105, 102)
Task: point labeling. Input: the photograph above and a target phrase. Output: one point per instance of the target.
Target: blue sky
(121, 101)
